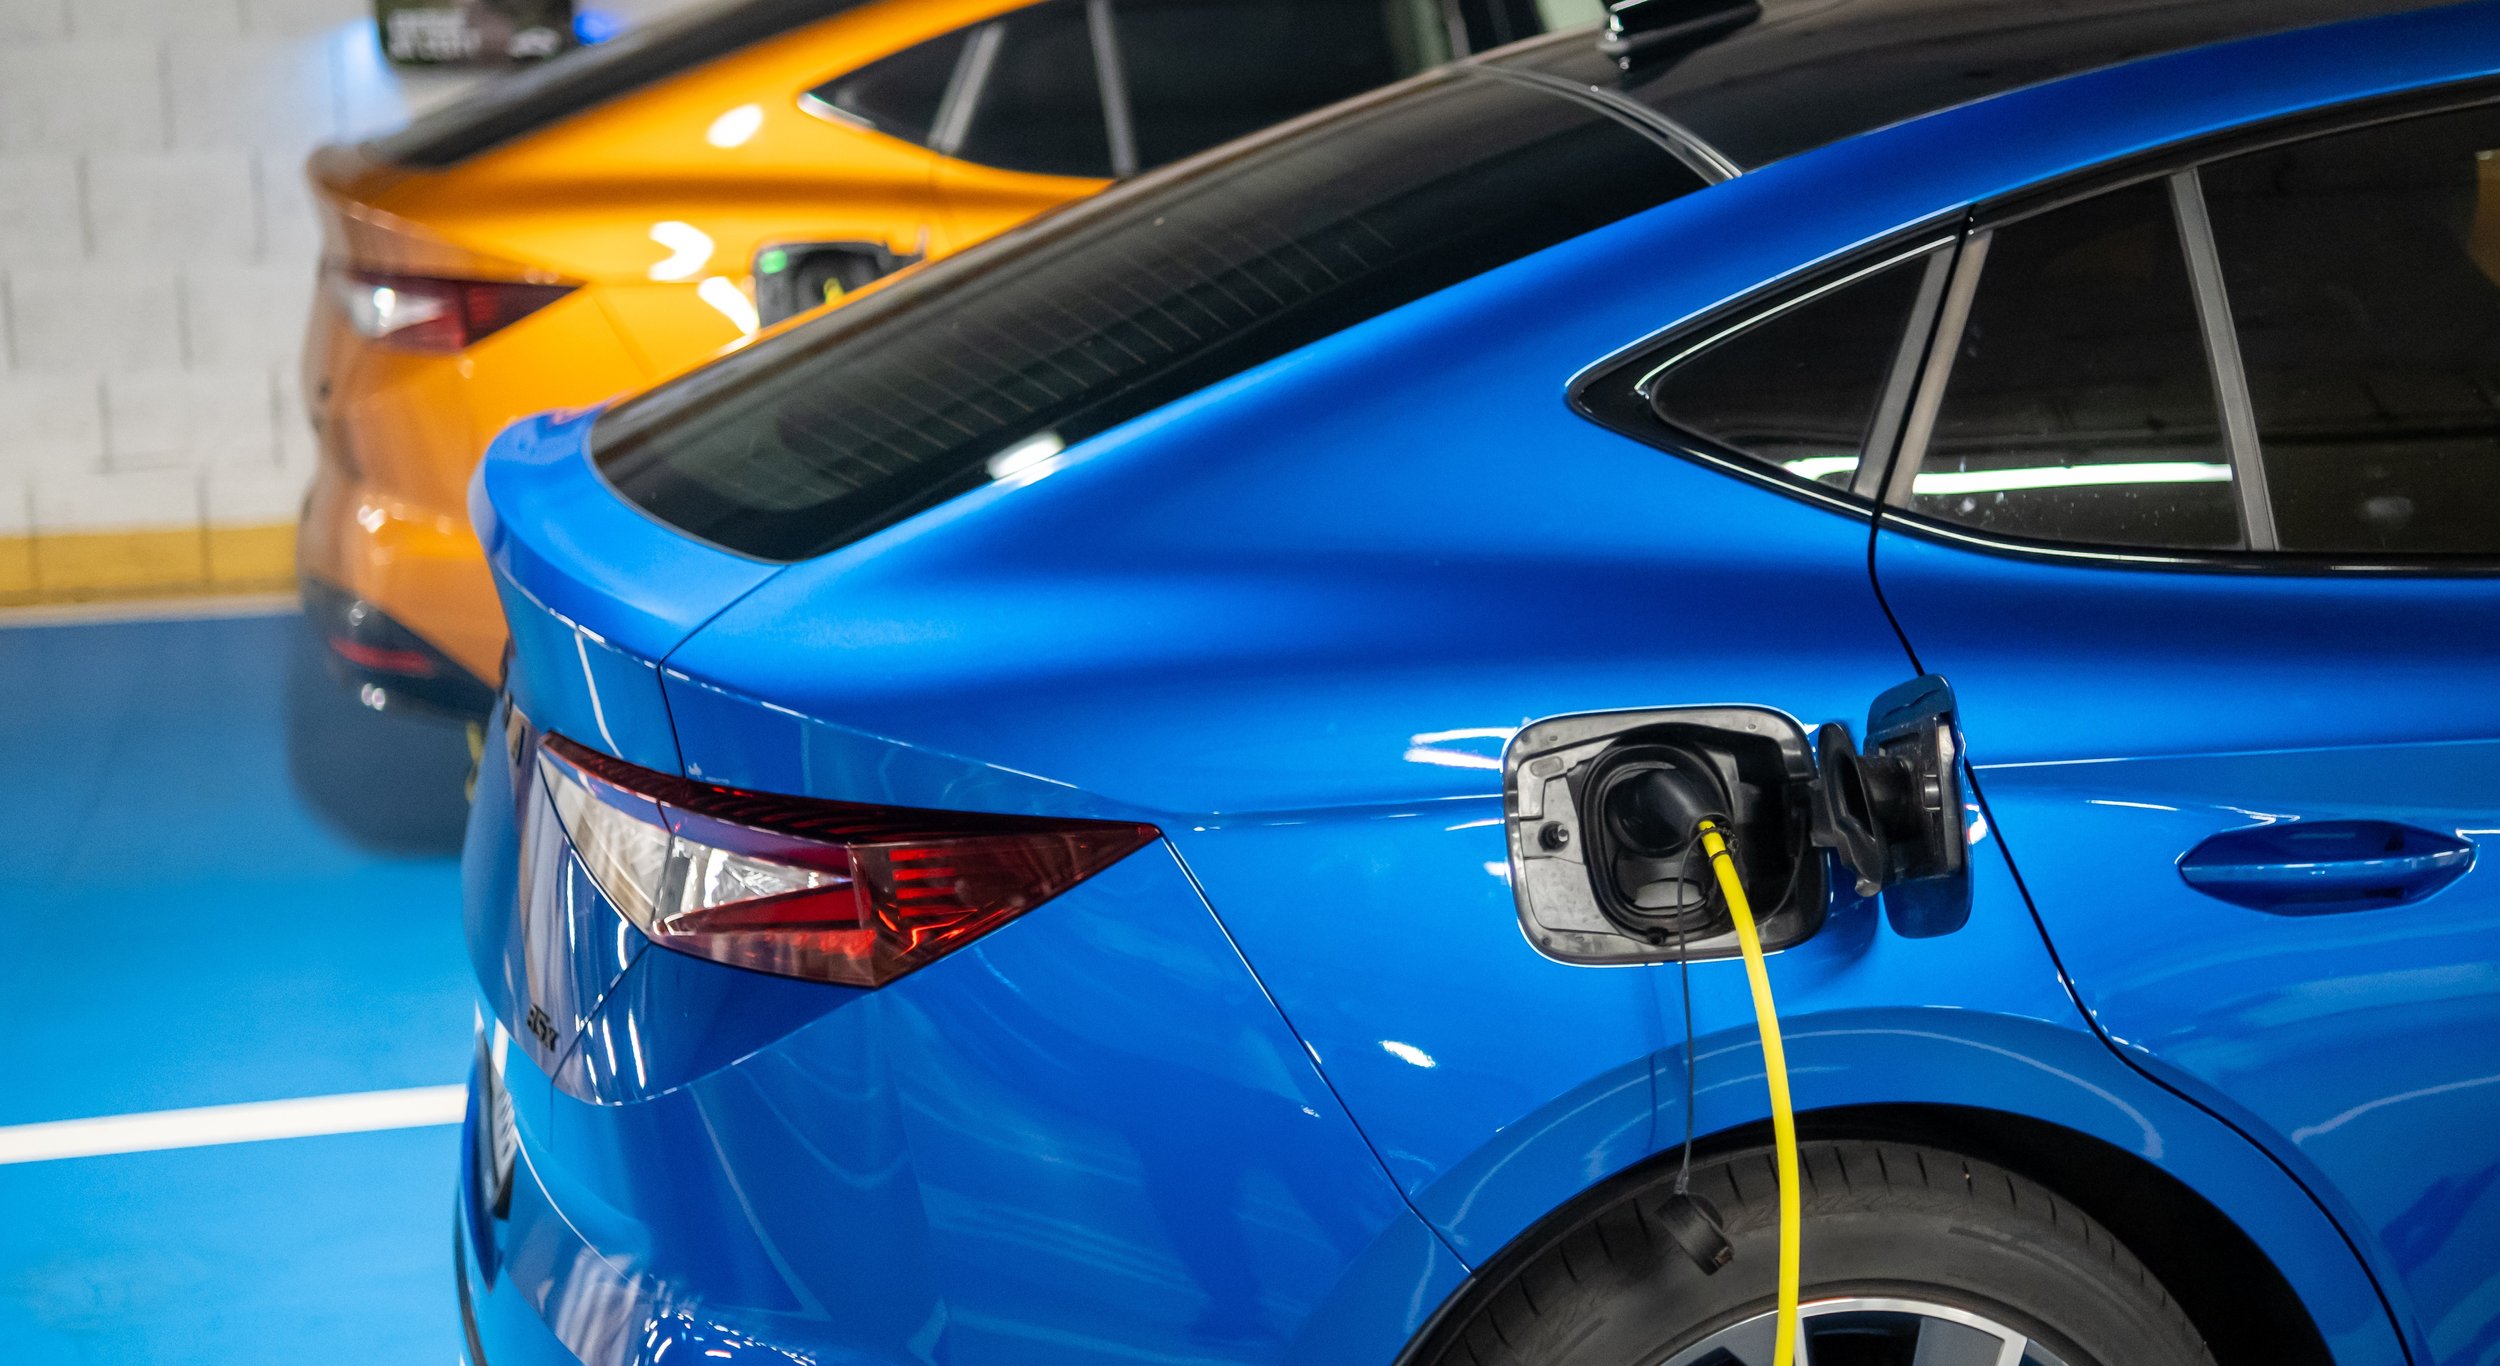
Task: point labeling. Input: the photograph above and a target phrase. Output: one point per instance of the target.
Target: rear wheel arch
(2238, 1298)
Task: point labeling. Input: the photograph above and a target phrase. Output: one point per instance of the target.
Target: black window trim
(1599, 392)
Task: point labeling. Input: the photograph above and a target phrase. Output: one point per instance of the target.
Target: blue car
(1132, 796)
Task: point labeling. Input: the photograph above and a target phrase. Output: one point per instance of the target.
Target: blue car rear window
(1116, 306)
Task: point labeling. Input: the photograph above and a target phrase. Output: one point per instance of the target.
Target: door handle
(2322, 867)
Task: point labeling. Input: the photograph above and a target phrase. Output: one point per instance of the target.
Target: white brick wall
(157, 247)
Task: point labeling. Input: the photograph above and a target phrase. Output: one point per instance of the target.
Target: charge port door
(1602, 879)
(1600, 810)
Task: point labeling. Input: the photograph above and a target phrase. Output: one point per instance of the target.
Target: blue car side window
(2079, 405)
(2364, 278)
(2288, 352)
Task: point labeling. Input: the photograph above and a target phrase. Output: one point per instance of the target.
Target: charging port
(1602, 814)
(1602, 810)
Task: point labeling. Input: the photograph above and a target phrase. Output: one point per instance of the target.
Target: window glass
(1200, 72)
(1799, 387)
(898, 95)
(1041, 107)
(979, 363)
(2081, 404)
(1492, 23)
(1561, 14)
(2361, 271)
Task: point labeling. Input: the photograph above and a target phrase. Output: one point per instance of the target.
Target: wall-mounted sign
(473, 32)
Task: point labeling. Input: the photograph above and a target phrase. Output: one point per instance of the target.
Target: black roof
(1759, 82)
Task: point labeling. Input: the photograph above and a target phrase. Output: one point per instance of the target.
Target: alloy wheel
(1874, 1331)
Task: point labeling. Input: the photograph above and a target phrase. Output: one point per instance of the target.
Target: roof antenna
(1640, 31)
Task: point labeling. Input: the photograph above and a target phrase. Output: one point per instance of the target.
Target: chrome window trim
(2284, 564)
(2222, 356)
(817, 106)
(1454, 24)
(1884, 433)
(1698, 156)
(963, 91)
(1111, 82)
(1942, 347)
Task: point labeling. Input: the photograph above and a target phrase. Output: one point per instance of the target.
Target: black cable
(1692, 1068)
(1684, 974)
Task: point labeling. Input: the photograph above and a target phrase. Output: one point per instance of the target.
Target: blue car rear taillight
(831, 891)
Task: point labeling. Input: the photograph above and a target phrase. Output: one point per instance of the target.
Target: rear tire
(1905, 1236)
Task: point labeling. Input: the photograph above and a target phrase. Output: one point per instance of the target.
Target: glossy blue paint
(595, 593)
(2217, 708)
(1088, 1135)
(540, 935)
(2325, 867)
(1291, 620)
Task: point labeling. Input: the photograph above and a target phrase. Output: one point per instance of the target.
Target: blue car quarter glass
(1797, 384)
(992, 362)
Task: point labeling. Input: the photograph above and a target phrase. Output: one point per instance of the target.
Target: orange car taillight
(830, 891)
(428, 313)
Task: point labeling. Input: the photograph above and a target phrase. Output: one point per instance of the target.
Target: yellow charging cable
(1775, 1065)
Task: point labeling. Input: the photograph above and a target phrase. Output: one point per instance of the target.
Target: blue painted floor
(221, 881)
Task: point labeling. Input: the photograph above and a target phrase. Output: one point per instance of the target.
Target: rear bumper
(401, 434)
(389, 666)
(1088, 1137)
(419, 566)
(520, 1339)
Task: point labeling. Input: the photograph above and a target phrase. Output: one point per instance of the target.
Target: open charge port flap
(1599, 809)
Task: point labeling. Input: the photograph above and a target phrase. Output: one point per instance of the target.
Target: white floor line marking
(417, 1107)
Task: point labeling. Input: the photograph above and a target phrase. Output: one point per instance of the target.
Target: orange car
(625, 211)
